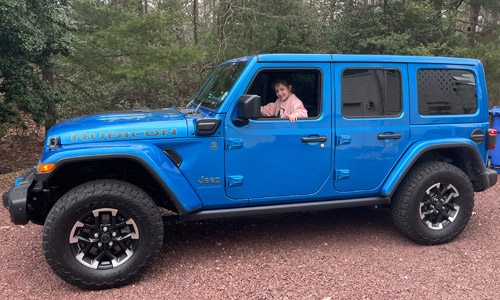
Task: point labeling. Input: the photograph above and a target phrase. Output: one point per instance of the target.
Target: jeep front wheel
(102, 234)
(433, 204)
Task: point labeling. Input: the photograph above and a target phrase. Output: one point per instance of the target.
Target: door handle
(309, 139)
(387, 136)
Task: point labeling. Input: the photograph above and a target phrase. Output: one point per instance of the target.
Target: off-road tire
(406, 202)
(128, 200)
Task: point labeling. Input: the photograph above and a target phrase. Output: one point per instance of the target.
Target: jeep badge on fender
(213, 180)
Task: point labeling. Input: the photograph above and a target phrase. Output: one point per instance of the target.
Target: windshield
(218, 85)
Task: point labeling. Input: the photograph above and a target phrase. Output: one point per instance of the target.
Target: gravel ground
(340, 254)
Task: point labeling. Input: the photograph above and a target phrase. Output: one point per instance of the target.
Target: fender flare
(412, 155)
(154, 161)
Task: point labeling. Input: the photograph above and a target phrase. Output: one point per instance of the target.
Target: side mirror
(248, 107)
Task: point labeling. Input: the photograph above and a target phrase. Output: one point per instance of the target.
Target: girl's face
(283, 91)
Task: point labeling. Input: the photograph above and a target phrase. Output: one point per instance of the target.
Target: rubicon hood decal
(123, 134)
(111, 127)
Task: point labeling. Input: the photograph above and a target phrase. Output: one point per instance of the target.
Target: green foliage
(31, 32)
(124, 58)
(410, 27)
(489, 55)
(57, 62)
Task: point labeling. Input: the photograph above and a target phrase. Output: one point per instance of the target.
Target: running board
(279, 209)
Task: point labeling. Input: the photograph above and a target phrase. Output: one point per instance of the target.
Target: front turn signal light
(44, 168)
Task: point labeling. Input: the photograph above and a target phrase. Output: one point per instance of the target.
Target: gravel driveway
(340, 254)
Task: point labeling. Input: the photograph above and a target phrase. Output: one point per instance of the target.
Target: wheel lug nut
(99, 244)
(114, 234)
(110, 244)
(96, 235)
(105, 229)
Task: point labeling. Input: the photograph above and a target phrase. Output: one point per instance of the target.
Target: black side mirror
(248, 107)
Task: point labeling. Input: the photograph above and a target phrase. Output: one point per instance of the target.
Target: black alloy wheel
(433, 203)
(438, 208)
(102, 234)
(104, 239)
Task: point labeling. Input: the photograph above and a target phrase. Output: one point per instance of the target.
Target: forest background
(62, 58)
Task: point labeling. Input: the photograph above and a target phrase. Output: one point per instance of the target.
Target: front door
(371, 123)
(273, 157)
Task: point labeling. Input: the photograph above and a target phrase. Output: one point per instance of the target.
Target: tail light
(491, 139)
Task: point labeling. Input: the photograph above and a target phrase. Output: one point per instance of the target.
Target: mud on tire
(102, 234)
(433, 204)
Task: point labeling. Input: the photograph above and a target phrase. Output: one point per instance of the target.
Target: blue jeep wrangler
(408, 132)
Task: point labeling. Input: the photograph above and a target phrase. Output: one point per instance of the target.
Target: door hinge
(342, 174)
(234, 180)
(342, 140)
(234, 144)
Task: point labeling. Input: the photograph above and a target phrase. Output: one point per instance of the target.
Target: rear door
(371, 122)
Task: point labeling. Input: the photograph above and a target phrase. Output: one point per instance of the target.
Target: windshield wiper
(201, 102)
(192, 101)
(188, 110)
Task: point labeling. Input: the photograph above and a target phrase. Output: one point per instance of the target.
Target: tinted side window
(446, 92)
(371, 93)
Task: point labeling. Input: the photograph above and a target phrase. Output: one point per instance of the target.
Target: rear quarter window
(446, 92)
(371, 93)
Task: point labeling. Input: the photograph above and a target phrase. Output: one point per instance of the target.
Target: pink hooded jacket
(292, 105)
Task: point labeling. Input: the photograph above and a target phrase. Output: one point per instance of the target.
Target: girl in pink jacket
(287, 106)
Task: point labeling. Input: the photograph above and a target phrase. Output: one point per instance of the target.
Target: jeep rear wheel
(102, 234)
(433, 204)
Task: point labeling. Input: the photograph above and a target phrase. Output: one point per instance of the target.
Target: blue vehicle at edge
(376, 135)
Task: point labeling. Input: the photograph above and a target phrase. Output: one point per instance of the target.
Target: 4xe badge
(207, 180)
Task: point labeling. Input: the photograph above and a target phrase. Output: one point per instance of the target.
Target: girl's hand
(292, 118)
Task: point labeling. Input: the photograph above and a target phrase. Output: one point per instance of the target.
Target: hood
(120, 126)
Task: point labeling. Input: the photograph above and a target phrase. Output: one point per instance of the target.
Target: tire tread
(402, 201)
(99, 190)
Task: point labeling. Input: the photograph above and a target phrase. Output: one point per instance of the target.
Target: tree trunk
(48, 75)
(145, 6)
(222, 22)
(474, 7)
(195, 21)
(489, 32)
